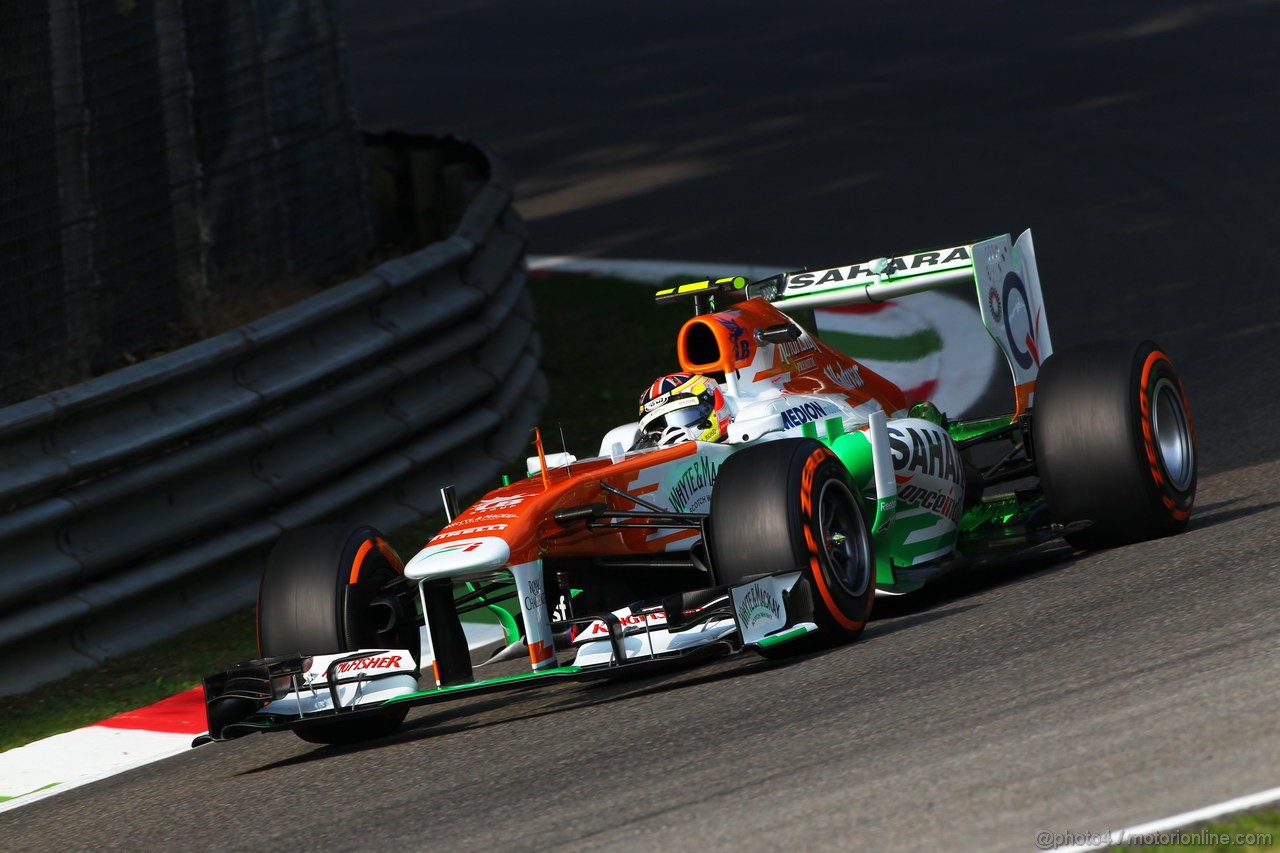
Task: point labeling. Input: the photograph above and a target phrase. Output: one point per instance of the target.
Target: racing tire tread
(1093, 428)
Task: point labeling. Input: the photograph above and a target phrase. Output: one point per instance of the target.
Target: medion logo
(798, 415)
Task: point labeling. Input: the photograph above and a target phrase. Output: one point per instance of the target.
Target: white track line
(56, 764)
(1127, 835)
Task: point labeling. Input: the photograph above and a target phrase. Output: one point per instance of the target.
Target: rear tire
(309, 603)
(1114, 443)
(789, 505)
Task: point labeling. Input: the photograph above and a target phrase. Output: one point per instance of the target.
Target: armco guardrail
(143, 502)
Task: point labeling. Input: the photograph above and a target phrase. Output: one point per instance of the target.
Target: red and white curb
(62, 762)
(934, 347)
(59, 763)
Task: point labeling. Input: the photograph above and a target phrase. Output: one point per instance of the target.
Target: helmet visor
(687, 416)
(695, 413)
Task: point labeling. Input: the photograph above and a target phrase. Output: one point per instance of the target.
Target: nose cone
(445, 559)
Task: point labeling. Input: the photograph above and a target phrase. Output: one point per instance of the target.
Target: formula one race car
(687, 536)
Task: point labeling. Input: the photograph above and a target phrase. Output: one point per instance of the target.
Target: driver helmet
(683, 407)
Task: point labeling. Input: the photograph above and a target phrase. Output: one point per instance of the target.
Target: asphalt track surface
(1065, 692)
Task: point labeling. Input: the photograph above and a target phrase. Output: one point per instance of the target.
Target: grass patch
(128, 682)
(603, 341)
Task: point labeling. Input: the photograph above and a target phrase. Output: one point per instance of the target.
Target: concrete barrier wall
(142, 503)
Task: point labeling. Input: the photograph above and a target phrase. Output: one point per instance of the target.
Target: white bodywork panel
(650, 637)
(471, 552)
(787, 413)
(758, 605)
(625, 435)
(1013, 307)
(396, 673)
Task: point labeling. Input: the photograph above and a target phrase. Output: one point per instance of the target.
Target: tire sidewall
(836, 609)
(308, 596)
(307, 602)
(1152, 368)
(376, 570)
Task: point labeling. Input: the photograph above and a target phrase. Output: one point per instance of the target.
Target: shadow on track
(940, 599)
(978, 578)
(1201, 521)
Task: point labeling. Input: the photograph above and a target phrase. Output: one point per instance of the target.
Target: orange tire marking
(365, 547)
(815, 566)
(826, 597)
(1148, 441)
(385, 549)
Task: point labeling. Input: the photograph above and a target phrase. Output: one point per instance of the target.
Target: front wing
(297, 691)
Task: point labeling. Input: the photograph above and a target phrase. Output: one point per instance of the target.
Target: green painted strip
(4, 799)
(488, 682)
(510, 630)
(777, 639)
(961, 430)
(912, 347)
(904, 554)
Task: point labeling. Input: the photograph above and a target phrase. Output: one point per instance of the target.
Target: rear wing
(1004, 271)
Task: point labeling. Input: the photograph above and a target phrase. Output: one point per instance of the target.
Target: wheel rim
(844, 541)
(1172, 434)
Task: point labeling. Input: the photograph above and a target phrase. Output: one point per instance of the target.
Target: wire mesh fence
(156, 156)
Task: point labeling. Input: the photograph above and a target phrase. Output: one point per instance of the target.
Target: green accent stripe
(912, 347)
(776, 639)
(488, 682)
(961, 430)
(510, 630)
(904, 554)
(4, 799)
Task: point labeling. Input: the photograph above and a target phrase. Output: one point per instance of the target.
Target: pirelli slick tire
(1114, 443)
(321, 594)
(789, 505)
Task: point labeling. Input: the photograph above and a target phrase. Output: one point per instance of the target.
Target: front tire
(789, 505)
(1114, 443)
(321, 593)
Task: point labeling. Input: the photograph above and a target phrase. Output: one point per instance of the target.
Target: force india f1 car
(829, 488)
